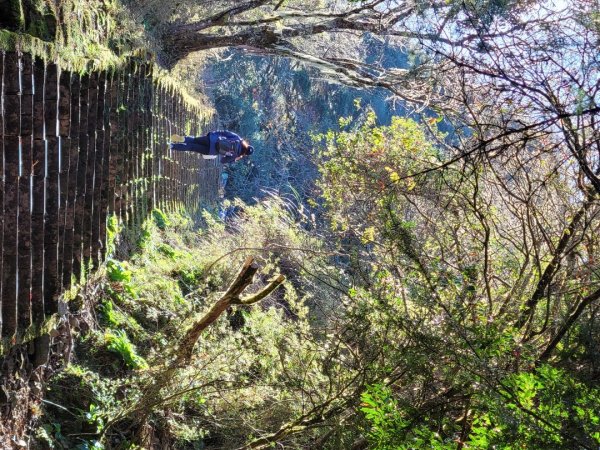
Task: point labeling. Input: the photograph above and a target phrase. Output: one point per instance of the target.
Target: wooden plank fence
(77, 149)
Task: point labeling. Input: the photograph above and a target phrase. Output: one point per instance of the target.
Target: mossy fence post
(52, 196)
(24, 242)
(12, 129)
(38, 182)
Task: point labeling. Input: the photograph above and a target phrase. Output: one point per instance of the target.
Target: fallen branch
(231, 297)
(151, 397)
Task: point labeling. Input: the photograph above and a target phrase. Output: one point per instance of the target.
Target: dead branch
(231, 297)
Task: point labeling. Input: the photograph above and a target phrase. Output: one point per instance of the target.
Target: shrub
(118, 342)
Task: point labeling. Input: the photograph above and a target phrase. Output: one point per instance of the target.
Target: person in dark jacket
(227, 145)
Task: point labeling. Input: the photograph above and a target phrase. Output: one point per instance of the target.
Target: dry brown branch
(164, 376)
(231, 297)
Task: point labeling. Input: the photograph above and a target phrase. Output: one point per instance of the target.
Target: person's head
(247, 149)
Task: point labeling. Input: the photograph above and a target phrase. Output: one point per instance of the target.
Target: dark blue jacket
(214, 136)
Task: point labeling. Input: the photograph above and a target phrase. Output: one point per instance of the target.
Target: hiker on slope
(229, 146)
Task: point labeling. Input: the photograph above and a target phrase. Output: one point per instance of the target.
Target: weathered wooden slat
(135, 147)
(41, 346)
(185, 161)
(189, 165)
(188, 186)
(38, 172)
(169, 163)
(140, 146)
(51, 238)
(71, 197)
(167, 152)
(178, 155)
(24, 243)
(151, 140)
(120, 146)
(183, 158)
(162, 147)
(105, 185)
(64, 125)
(171, 166)
(98, 171)
(154, 144)
(130, 151)
(79, 226)
(113, 143)
(128, 155)
(147, 139)
(12, 118)
(181, 166)
(1, 181)
(11, 226)
(125, 146)
(147, 123)
(148, 167)
(90, 167)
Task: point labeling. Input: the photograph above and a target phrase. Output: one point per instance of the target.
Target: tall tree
(324, 34)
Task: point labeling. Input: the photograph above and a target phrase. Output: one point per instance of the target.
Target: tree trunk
(180, 41)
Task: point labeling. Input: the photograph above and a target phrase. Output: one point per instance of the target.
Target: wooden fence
(76, 149)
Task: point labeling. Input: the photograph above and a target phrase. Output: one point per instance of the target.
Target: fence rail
(74, 150)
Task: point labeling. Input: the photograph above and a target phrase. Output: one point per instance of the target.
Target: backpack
(231, 146)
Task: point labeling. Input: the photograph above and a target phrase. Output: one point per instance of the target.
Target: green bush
(160, 219)
(117, 271)
(118, 342)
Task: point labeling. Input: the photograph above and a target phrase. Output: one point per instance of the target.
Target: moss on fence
(85, 36)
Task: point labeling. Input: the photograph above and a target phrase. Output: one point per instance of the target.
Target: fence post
(105, 185)
(79, 220)
(51, 282)
(38, 192)
(114, 143)
(97, 205)
(155, 142)
(73, 163)
(1, 185)
(172, 129)
(66, 172)
(148, 141)
(121, 161)
(24, 247)
(129, 153)
(162, 147)
(90, 168)
(12, 118)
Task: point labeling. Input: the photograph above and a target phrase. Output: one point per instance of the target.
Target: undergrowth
(245, 361)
